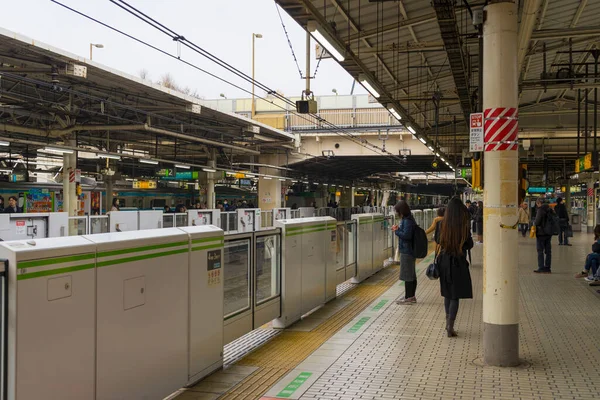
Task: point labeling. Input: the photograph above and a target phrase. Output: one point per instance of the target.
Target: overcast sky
(222, 27)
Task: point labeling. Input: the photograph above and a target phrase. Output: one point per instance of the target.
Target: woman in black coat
(455, 278)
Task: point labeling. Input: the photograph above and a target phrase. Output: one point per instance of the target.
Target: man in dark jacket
(563, 220)
(13, 208)
(543, 239)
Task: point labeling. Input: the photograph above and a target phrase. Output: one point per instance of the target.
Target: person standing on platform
(1, 204)
(523, 219)
(543, 237)
(405, 232)
(455, 278)
(563, 221)
(115, 205)
(479, 222)
(13, 208)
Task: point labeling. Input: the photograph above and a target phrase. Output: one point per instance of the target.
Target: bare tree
(144, 74)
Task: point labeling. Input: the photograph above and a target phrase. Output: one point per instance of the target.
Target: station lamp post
(97, 45)
(254, 36)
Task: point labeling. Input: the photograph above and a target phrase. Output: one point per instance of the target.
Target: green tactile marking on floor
(280, 355)
(294, 385)
(358, 325)
(379, 305)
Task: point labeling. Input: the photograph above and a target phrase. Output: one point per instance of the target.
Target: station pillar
(346, 197)
(352, 200)
(210, 185)
(69, 186)
(500, 260)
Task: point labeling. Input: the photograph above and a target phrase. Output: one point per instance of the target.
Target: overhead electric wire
(180, 38)
(288, 40)
(361, 142)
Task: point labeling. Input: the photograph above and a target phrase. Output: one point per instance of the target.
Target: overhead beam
(546, 34)
(530, 10)
(392, 27)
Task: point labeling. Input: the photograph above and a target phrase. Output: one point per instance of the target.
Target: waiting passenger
(479, 222)
(438, 218)
(167, 209)
(523, 216)
(563, 219)
(13, 208)
(180, 209)
(455, 278)
(405, 232)
(543, 237)
(592, 262)
(1, 204)
(115, 205)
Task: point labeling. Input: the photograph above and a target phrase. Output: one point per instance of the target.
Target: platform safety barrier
(106, 292)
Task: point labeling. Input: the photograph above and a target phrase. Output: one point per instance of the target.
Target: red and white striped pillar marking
(501, 129)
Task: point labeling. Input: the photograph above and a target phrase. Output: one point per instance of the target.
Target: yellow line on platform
(286, 351)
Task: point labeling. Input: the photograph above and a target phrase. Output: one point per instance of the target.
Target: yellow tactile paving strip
(283, 353)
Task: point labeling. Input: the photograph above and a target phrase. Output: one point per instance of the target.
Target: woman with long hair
(405, 231)
(455, 278)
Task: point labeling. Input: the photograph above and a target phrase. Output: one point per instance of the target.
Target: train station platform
(364, 346)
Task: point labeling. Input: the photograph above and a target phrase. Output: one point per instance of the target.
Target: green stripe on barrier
(140, 249)
(139, 258)
(54, 271)
(211, 246)
(209, 239)
(306, 230)
(57, 260)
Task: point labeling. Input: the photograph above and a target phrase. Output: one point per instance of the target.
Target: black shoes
(543, 271)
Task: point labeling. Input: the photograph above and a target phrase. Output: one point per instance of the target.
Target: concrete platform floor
(402, 352)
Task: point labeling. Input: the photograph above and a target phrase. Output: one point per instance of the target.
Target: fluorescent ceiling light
(250, 175)
(437, 154)
(411, 129)
(395, 113)
(423, 140)
(267, 177)
(368, 85)
(4, 143)
(430, 148)
(209, 170)
(182, 166)
(442, 158)
(145, 161)
(282, 179)
(325, 40)
(5, 170)
(112, 157)
(57, 150)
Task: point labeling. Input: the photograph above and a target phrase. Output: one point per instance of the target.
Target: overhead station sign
(476, 133)
(584, 163)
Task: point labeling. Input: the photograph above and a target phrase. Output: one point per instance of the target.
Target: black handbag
(433, 271)
(570, 231)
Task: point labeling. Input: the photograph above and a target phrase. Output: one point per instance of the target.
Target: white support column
(66, 184)
(210, 186)
(500, 258)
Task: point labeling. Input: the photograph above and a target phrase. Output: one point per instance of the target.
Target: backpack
(419, 243)
(552, 223)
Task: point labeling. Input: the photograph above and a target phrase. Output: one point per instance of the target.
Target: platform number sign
(166, 172)
(476, 136)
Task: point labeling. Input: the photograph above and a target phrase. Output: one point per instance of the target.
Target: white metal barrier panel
(418, 215)
(33, 226)
(129, 315)
(308, 266)
(371, 244)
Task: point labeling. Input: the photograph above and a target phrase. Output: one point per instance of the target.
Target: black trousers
(411, 289)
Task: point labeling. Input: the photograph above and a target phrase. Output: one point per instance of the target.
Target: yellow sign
(144, 184)
(587, 162)
(584, 163)
(239, 175)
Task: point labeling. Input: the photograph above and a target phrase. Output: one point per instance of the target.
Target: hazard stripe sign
(501, 128)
